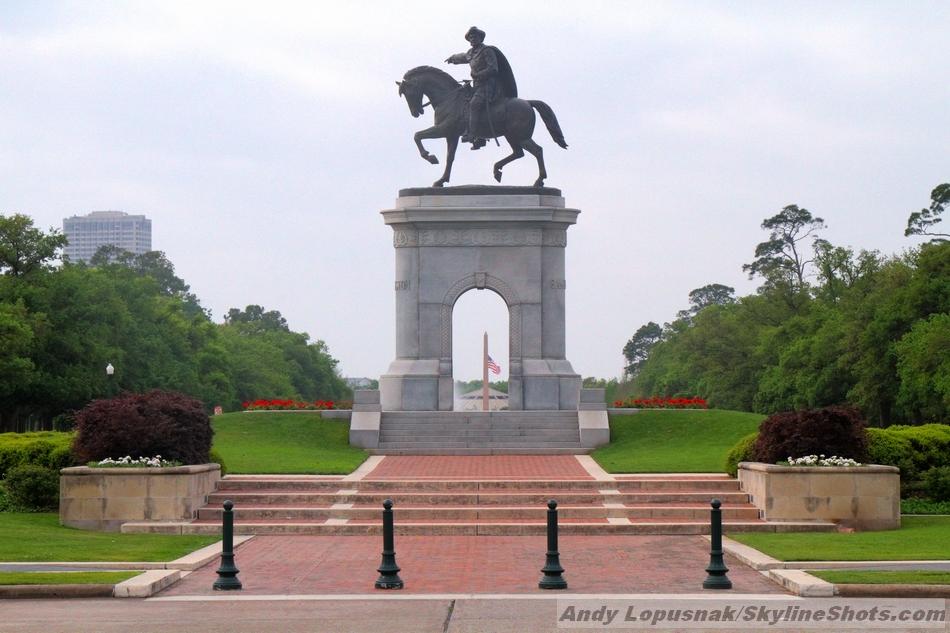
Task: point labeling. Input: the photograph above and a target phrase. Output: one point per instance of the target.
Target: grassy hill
(663, 440)
(284, 443)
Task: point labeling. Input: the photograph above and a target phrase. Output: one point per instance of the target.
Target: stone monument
(509, 240)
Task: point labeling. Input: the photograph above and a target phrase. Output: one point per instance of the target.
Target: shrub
(31, 488)
(937, 483)
(913, 449)
(891, 449)
(46, 448)
(215, 458)
(743, 451)
(830, 431)
(164, 423)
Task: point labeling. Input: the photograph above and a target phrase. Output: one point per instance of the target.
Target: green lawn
(920, 538)
(862, 577)
(276, 443)
(662, 440)
(65, 577)
(26, 537)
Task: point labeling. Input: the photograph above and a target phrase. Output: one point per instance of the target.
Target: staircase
(632, 504)
(479, 433)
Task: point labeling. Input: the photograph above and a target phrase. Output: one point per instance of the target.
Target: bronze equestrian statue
(488, 108)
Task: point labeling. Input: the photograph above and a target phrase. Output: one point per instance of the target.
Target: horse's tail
(550, 121)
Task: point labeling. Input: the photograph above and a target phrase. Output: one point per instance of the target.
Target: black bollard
(227, 572)
(388, 569)
(717, 569)
(552, 570)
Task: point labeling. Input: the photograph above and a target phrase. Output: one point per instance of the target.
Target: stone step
(697, 512)
(474, 432)
(407, 485)
(510, 417)
(519, 498)
(527, 424)
(571, 439)
(493, 528)
(422, 445)
(519, 450)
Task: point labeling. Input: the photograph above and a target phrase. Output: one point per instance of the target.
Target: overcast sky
(263, 139)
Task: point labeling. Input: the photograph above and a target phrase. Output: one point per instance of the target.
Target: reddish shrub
(829, 431)
(164, 423)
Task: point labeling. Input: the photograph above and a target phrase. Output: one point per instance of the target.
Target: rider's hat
(474, 32)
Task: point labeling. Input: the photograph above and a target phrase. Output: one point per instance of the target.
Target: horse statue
(511, 118)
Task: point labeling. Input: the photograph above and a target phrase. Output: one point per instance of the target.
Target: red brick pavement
(303, 565)
(470, 467)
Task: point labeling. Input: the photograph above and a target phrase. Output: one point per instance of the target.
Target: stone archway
(510, 240)
(483, 281)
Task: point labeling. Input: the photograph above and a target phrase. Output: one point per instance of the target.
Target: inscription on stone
(403, 284)
(473, 237)
(558, 284)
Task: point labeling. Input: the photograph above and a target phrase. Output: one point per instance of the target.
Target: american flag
(493, 366)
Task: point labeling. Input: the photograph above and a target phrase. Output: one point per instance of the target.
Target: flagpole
(485, 374)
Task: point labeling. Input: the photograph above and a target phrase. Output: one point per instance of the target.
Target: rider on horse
(491, 79)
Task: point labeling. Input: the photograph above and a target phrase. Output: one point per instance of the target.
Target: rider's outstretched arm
(458, 58)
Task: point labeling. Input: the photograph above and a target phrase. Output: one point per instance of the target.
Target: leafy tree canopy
(24, 248)
(638, 347)
(923, 222)
(783, 258)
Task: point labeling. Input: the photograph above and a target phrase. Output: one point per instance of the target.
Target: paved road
(399, 614)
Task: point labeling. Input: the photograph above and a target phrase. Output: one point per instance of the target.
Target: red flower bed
(278, 404)
(656, 402)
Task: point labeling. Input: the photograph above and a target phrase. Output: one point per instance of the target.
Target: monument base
(416, 385)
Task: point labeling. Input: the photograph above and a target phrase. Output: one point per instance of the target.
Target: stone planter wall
(105, 498)
(861, 497)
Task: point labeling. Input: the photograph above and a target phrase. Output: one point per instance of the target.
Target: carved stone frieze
(403, 238)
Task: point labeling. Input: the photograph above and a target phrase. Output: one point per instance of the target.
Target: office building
(87, 233)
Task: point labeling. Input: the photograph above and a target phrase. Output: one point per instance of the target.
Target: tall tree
(24, 248)
(923, 222)
(783, 258)
(708, 295)
(637, 349)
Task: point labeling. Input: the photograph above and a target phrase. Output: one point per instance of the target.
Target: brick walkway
(304, 565)
(471, 467)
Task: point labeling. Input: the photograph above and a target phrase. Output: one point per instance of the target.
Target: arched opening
(475, 313)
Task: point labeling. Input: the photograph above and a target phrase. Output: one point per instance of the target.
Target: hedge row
(49, 449)
(916, 450)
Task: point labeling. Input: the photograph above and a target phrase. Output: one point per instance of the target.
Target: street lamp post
(110, 370)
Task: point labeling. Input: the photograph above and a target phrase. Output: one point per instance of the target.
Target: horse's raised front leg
(538, 152)
(452, 143)
(516, 153)
(432, 132)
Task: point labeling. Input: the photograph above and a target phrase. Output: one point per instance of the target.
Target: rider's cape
(506, 85)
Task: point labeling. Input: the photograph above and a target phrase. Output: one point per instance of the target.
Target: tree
(781, 260)
(923, 221)
(708, 295)
(256, 319)
(638, 347)
(153, 264)
(24, 248)
(923, 364)
(839, 270)
(16, 343)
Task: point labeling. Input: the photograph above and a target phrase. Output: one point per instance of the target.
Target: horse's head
(412, 91)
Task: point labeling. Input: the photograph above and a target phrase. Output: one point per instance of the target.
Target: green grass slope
(38, 536)
(285, 443)
(919, 538)
(663, 440)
